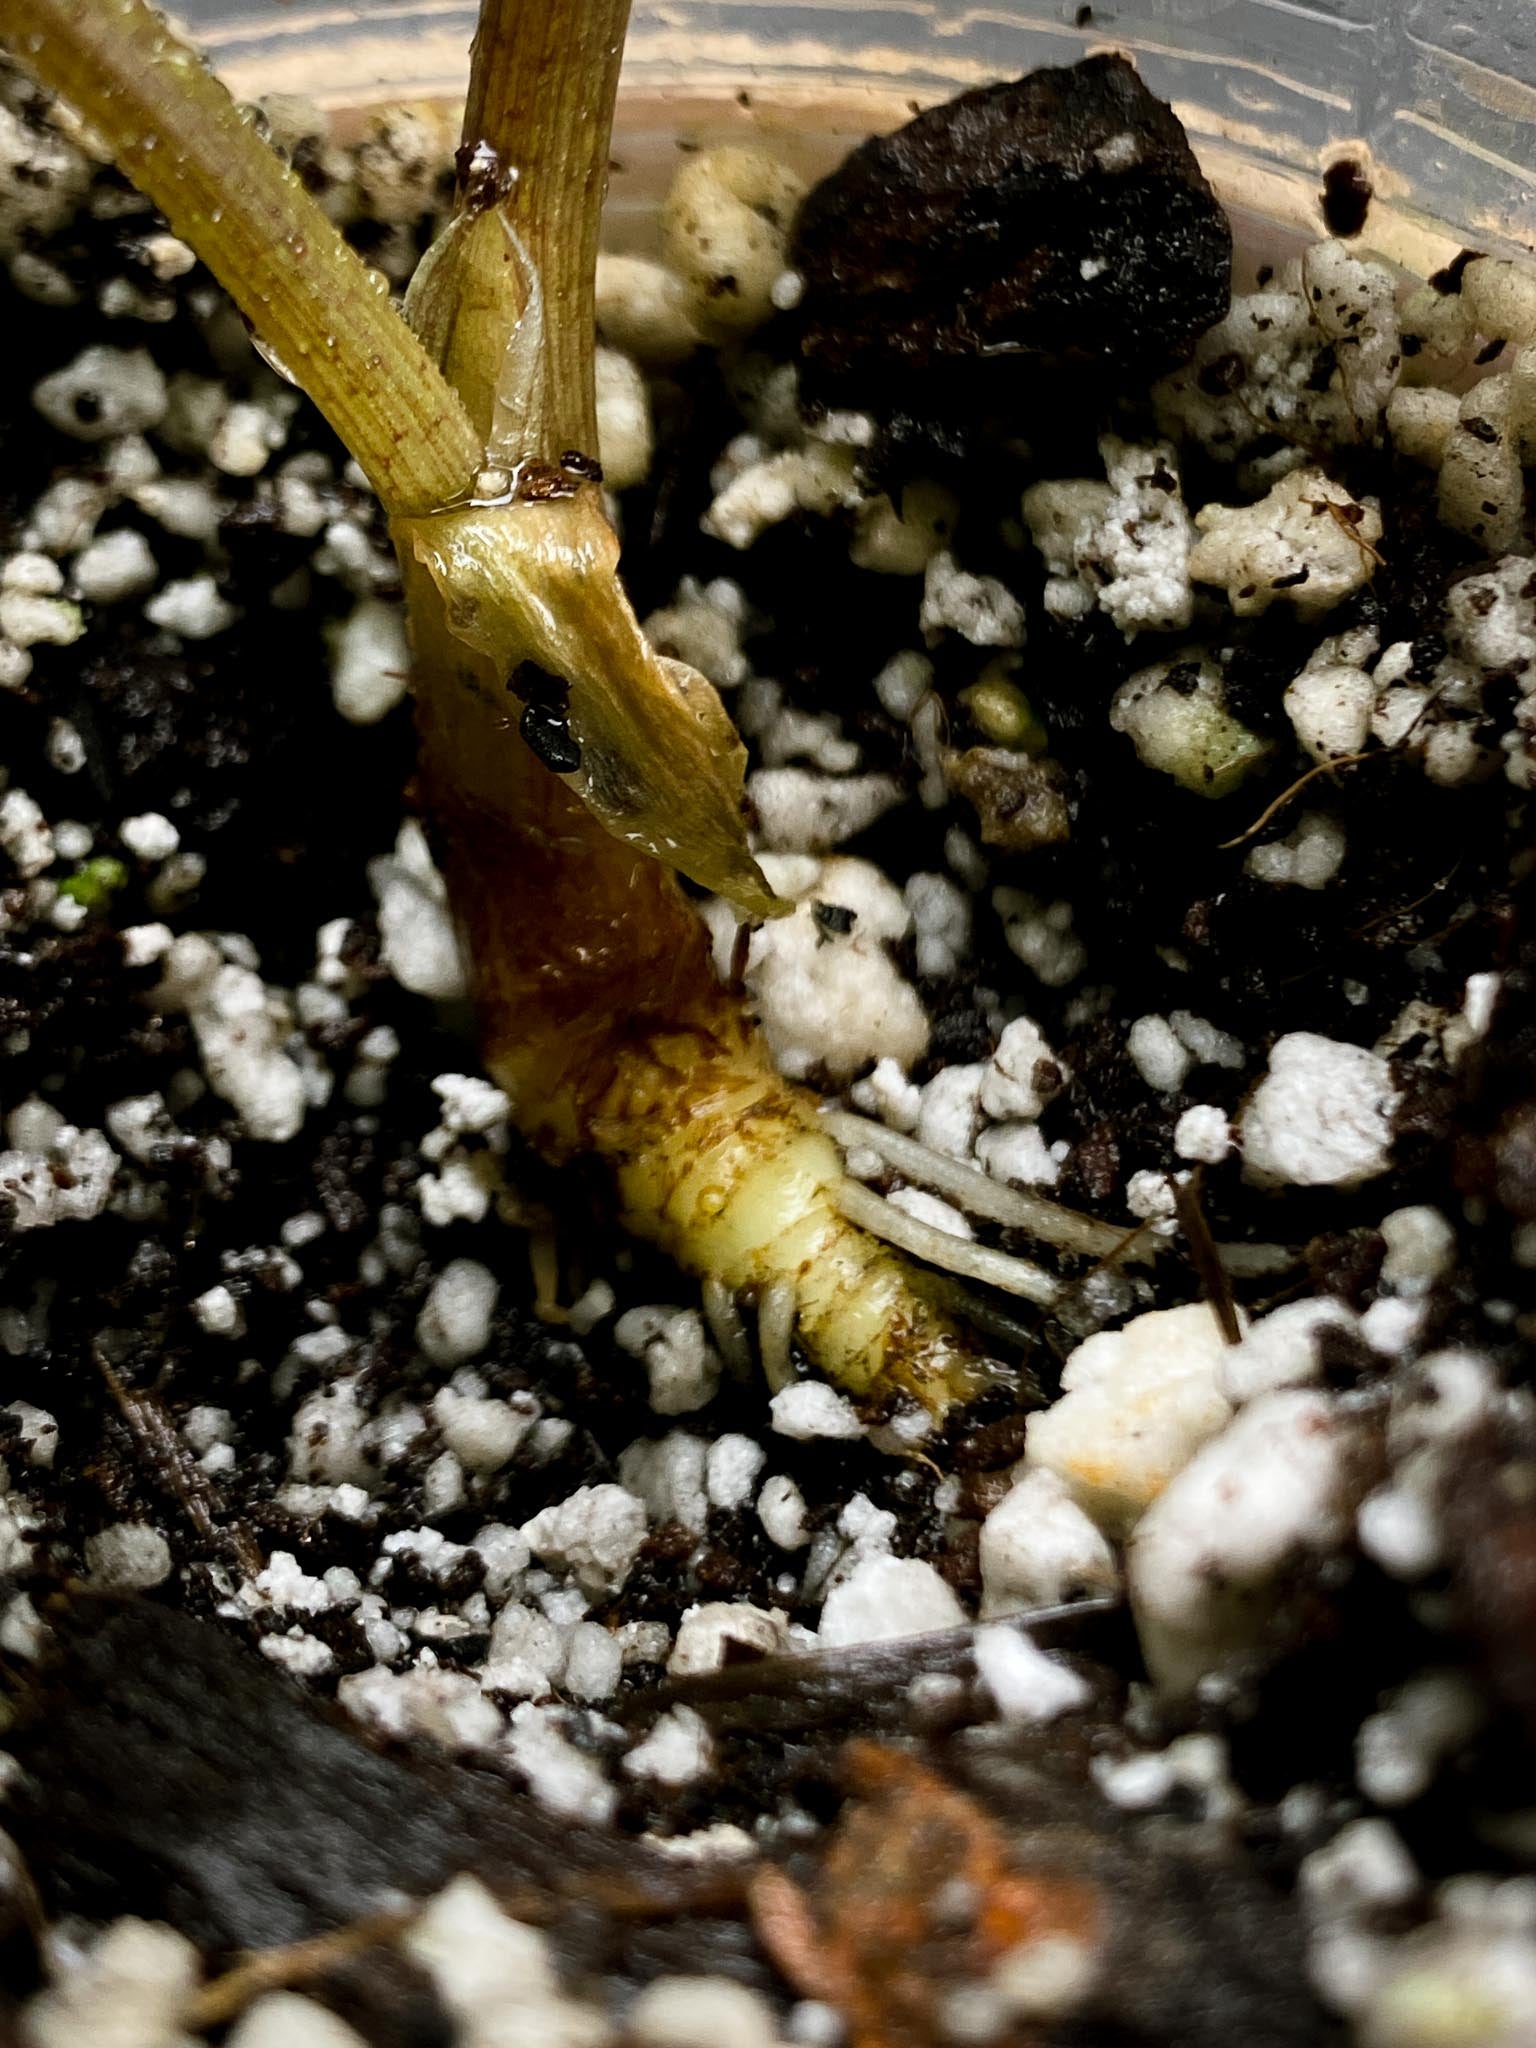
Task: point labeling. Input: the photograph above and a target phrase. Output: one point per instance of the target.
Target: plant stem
(174, 130)
(504, 300)
(544, 76)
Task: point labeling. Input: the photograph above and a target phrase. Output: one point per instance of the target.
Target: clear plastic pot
(1436, 97)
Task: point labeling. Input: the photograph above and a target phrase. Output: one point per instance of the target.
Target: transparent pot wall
(1438, 96)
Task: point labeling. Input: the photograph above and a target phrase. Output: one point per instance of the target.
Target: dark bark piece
(171, 1772)
(1062, 217)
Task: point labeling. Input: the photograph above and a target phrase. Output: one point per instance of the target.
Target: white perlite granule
(1026, 1684)
(129, 1990)
(708, 1635)
(128, 1557)
(419, 945)
(978, 608)
(192, 608)
(676, 1752)
(1159, 1056)
(1038, 1547)
(149, 837)
(1308, 543)
(115, 567)
(700, 2012)
(886, 1596)
(1321, 1117)
(243, 1030)
(370, 661)
(811, 1408)
(455, 1320)
(1203, 1134)
(1204, 1560)
(1136, 1404)
(1121, 545)
(681, 1364)
(62, 1175)
(284, 2019)
(594, 1533)
(104, 392)
(497, 1977)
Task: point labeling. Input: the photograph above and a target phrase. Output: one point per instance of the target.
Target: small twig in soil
(225, 1997)
(1341, 519)
(1272, 810)
(1215, 1282)
(165, 1452)
(865, 1682)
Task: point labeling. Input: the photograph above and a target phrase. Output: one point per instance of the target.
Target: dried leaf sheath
(658, 760)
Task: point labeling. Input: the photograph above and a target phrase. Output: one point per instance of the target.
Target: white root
(726, 1326)
(940, 1248)
(980, 1195)
(775, 1325)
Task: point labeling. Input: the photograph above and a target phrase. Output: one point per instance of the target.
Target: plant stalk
(174, 130)
(544, 78)
(527, 580)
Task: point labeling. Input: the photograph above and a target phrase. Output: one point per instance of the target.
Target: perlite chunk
(102, 393)
(817, 478)
(1121, 545)
(823, 981)
(398, 163)
(1321, 1117)
(646, 310)
(1136, 1404)
(1499, 298)
(1354, 304)
(703, 627)
(1313, 357)
(42, 177)
(1482, 483)
(624, 437)
(1441, 715)
(1175, 715)
(901, 536)
(1522, 402)
(1207, 1563)
(724, 228)
(1063, 516)
(1307, 542)
(1330, 701)
(1420, 419)
(1308, 857)
(979, 608)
